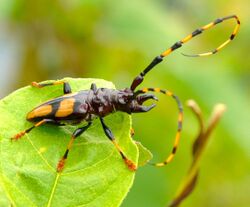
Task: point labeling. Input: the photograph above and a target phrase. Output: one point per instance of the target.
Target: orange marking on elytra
(39, 111)
(66, 107)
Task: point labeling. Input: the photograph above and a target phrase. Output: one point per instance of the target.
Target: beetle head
(130, 102)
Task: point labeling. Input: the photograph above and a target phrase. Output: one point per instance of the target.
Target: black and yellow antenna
(138, 80)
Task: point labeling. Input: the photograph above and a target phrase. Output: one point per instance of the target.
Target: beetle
(87, 105)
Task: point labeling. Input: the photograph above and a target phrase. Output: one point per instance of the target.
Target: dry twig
(188, 184)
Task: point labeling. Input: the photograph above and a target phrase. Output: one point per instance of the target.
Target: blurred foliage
(115, 40)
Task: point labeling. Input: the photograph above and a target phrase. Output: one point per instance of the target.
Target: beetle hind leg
(22, 133)
(66, 86)
(130, 164)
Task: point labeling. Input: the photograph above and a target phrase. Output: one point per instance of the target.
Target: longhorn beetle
(86, 105)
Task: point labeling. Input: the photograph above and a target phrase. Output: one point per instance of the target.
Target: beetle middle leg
(75, 134)
(44, 121)
(130, 164)
(66, 86)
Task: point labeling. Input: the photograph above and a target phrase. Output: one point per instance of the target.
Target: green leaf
(144, 154)
(3, 198)
(94, 175)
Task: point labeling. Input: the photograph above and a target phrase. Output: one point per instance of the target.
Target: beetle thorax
(106, 101)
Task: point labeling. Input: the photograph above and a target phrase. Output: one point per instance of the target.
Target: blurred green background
(115, 40)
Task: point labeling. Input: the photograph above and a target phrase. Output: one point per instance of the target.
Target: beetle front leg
(66, 86)
(130, 164)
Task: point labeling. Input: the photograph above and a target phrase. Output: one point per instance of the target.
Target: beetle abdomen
(64, 108)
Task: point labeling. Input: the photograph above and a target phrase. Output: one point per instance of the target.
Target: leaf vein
(53, 190)
(97, 163)
(25, 196)
(40, 155)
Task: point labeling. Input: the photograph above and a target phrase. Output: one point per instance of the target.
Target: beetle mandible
(86, 105)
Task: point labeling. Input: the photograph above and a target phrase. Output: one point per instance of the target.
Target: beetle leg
(93, 87)
(66, 86)
(75, 134)
(22, 133)
(130, 164)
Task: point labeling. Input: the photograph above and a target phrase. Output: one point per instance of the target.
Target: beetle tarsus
(18, 136)
(130, 164)
(60, 165)
(35, 84)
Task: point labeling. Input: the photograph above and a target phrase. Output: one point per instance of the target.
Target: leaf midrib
(53, 189)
